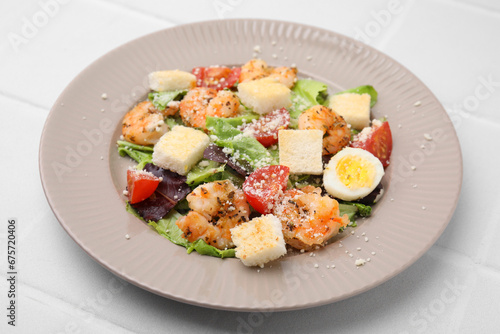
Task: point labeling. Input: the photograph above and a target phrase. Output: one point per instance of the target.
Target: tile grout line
(66, 307)
(462, 307)
(437, 249)
(487, 240)
(471, 281)
(22, 100)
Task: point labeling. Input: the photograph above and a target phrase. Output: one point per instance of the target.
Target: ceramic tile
(481, 315)
(478, 178)
(454, 53)
(39, 63)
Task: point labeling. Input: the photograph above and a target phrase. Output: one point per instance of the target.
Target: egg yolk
(355, 172)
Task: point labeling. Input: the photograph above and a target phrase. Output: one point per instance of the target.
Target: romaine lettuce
(238, 145)
(307, 93)
(172, 121)
(203, 170)
(354, 209)
(161, 99)
(243, 118)
(167, 228)
(203, 248)
(141, 154)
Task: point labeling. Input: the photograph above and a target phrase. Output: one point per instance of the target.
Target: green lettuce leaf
(204, 249)
(367, 89)
(172, 121)
(244, 118)
(300, 181)
(350, 210)
(241, 147)
(167, 228)
(141, 154)
(275, 153)
(161, 99)
(363, 210)
(307, 93)
(354, 209)
(203, 171)
(213, 171)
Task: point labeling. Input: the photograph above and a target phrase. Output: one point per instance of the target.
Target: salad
(250, 161)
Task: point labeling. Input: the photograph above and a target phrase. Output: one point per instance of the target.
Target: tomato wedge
(216, 77)
(377, 140)
(140, 185)
(266, 128)
(264, 186)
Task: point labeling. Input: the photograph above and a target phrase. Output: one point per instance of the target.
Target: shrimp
(216, 208)
(258, 69)
(201, 102)
(307, 218)
(253, 70)
(286, 75)
(144, 124)
(336, 132)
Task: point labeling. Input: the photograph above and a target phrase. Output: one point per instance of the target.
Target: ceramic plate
(84, 177)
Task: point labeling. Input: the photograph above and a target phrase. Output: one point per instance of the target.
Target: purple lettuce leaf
(170, 191)
(215, 153)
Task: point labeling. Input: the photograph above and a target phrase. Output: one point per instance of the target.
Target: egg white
(335, 187)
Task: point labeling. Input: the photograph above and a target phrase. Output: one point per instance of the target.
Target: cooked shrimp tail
(201, 102)
(337, 134)
(216, 208)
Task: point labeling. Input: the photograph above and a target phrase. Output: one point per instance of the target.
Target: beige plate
(84, 177)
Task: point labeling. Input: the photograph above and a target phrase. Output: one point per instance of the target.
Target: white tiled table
(451, 45)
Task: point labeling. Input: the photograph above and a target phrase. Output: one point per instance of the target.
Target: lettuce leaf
(239, 146)
(171, 189)
(172, 121)
(213, 172)
(275, 153)
(161, 99)
(216, 153)
(363, 210)
(350, 210)
(203, 171)
(366, 89)
(167, 228)
(204, 249)
(307, 93)
(141, 154)
(354, 209)
(300, 181)
(243, 118)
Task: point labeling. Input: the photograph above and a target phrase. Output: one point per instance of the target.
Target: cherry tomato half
(216, 77)
(140, 185)
(264, 186)
(378, 142)
(266, 128)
